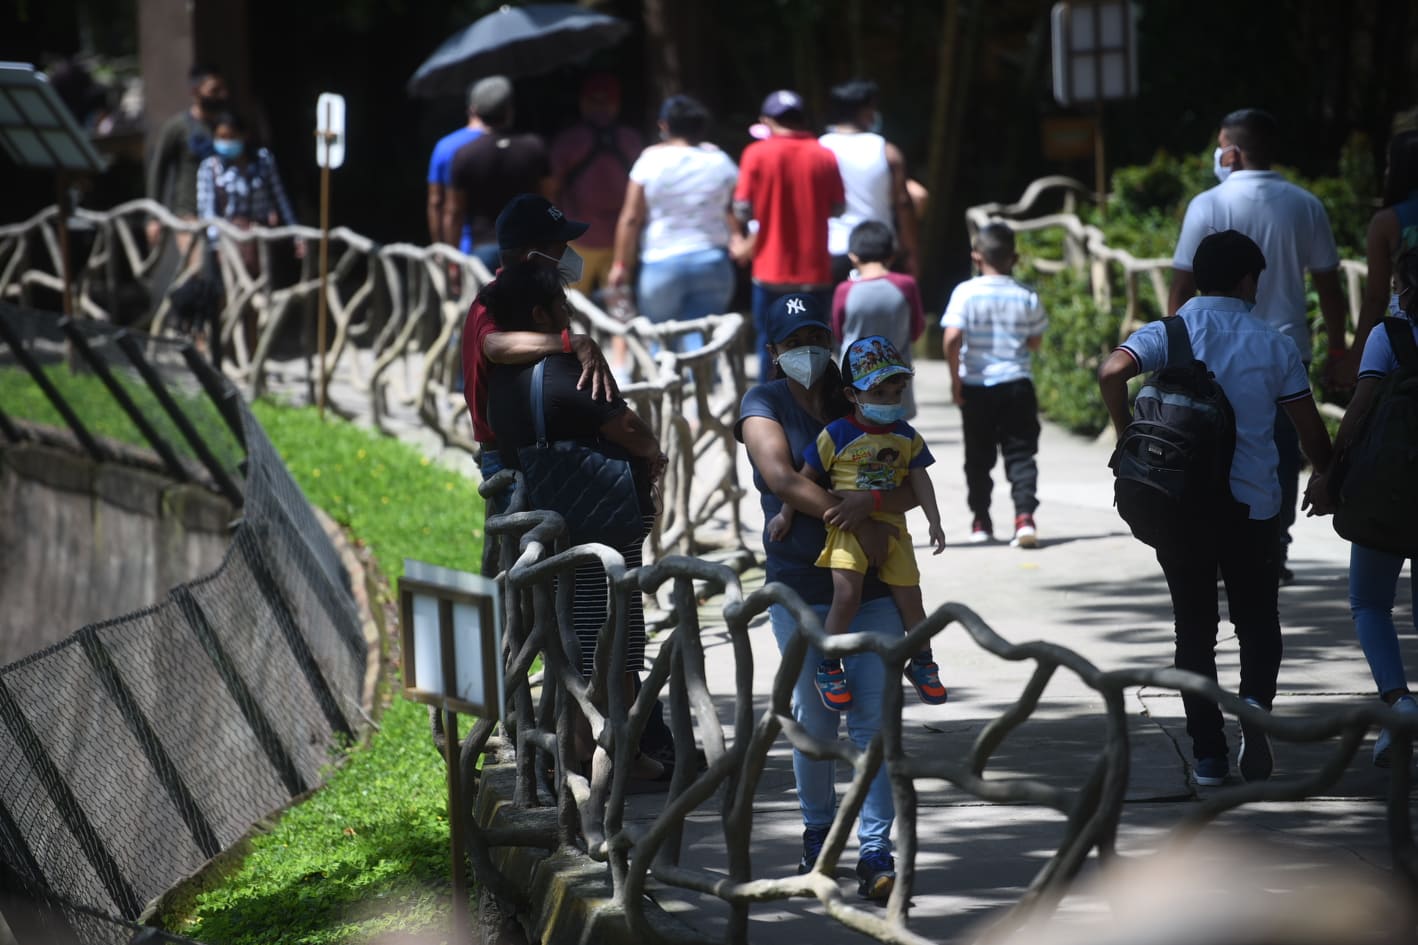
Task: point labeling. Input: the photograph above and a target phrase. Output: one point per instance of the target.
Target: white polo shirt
(1289, 225)
(1256, 367)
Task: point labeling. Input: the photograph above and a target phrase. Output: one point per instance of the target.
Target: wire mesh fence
(134, 750)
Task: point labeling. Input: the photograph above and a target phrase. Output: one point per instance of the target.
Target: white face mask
(569, 266)
(1222, 171)
(806, 364)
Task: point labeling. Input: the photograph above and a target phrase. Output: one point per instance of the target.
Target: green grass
(393, 499)
(21, 398)
(368, 853)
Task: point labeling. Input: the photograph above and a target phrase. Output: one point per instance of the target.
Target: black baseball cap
(530, 220)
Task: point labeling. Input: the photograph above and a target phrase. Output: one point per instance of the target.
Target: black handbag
(594, 492)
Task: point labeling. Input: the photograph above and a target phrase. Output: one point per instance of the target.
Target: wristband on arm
(876, 500)
(566, 341)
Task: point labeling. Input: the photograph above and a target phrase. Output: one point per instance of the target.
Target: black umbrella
(516, 41)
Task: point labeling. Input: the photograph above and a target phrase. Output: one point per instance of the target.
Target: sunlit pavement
(1091, 587)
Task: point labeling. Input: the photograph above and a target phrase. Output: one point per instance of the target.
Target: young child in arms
(872, 450)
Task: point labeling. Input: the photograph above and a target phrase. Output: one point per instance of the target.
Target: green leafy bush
(1080, 336)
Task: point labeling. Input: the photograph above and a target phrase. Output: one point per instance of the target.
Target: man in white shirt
(1291, 228)
(873, 175)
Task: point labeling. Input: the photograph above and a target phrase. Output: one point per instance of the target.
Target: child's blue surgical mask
(881, 415)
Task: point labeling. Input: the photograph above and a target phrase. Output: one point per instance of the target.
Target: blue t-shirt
(440, 170)
(794, 559)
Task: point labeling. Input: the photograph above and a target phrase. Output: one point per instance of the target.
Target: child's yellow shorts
(843, 551)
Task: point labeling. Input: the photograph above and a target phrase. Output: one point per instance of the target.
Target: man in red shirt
(529, 227)
(789, 184)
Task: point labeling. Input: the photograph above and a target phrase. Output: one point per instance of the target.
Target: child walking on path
(992, 323)
(877, 301)
(872, 449)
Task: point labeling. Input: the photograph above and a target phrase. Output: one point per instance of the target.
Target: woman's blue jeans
(690, 285)
(817, 780)
(1373, 581)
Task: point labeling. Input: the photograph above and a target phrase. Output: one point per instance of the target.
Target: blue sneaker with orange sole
(832, 685)
(876, 875)
(924, 674)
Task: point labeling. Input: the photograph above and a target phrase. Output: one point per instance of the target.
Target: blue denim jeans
(1373, 580)
(763, 298)
(690, 285)
(817, 780)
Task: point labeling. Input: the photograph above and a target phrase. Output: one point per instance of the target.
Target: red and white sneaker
(1025, 534)
(981, 531)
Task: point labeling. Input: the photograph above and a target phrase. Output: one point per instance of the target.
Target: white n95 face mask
(806, 365)
(1222, 171)
(569, 266)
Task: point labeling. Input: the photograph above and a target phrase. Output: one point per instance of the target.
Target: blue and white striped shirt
(998, 316)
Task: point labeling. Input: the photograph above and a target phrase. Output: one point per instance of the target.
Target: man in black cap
(529, 227)
(1260, 371)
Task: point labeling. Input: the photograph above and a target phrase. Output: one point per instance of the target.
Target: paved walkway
(1091, 587)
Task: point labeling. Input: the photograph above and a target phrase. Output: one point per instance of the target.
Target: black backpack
(1378, 491)
(1173, 462)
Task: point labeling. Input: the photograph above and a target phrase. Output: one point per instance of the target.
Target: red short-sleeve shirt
(476, 328)
(792, 186)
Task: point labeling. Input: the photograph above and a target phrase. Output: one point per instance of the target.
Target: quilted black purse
(595, 493)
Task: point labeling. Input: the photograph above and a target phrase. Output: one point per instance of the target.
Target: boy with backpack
(1233, 525)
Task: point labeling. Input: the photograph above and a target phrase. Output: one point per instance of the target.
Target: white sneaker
(1025, 534)
(1384, 743)
(981, 531)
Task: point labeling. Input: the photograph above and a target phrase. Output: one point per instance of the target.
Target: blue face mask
(228, 147)
(881, 415)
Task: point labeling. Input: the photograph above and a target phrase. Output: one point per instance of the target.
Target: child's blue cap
(871, 360)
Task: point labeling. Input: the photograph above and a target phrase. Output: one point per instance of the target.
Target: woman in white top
(676, 221)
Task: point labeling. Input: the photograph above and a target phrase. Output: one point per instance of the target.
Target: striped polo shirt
(998, 317)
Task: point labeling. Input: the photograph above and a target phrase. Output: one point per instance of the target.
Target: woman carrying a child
(780, 420)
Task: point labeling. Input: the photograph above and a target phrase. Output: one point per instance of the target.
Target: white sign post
(329, 153)
(450, 626)
(1095, 60)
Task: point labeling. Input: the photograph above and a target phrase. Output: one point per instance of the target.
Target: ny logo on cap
(796, 307)
(555, 214)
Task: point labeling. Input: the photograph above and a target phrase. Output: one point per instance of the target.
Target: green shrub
(1080, 336)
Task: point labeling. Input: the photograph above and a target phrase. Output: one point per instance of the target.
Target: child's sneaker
(925, 676)
(832, 685)
(981, 531)
(1025, 534)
